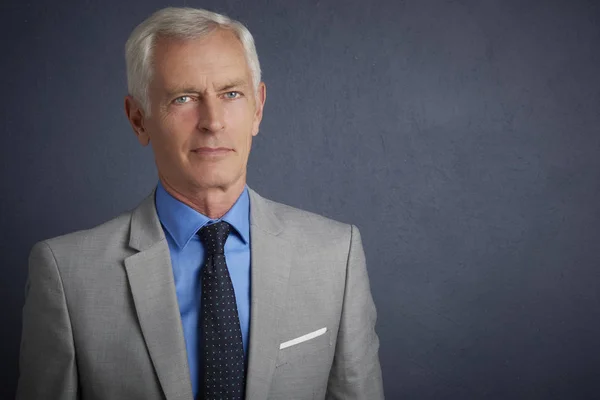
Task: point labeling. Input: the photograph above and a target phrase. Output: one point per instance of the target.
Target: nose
(211, 117)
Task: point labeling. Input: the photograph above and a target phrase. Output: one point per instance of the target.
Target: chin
(214, 182)
(207, 178)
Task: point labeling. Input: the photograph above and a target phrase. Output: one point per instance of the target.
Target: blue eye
(182, 99)
(232, 95)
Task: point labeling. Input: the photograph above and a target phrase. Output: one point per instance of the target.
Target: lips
(211, 150)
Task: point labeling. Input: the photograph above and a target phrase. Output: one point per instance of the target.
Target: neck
(214, 202)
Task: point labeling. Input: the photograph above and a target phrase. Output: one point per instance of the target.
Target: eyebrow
(224, 87)
(231, 85)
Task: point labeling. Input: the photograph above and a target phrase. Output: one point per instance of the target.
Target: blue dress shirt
(180, 224)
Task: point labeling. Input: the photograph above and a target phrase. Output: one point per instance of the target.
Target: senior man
(206, 290)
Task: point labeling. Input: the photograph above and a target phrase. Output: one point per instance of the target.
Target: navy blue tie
(221, 343)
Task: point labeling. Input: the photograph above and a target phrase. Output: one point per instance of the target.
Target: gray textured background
(462, 137)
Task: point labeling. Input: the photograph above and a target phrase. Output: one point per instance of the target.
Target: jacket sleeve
(47, 367)
(356, 373)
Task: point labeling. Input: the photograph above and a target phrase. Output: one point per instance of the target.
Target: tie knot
(214, 237)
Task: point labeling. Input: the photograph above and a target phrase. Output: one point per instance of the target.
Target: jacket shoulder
(109, 233)
(299, 222)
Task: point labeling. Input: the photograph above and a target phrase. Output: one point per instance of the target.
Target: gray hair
(181, 23)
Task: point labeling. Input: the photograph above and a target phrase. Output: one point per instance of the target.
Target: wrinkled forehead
(216, 58)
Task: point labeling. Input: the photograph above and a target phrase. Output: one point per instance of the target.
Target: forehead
(216, 57)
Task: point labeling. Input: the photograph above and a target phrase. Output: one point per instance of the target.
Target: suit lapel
(153, 289)
(271, 261)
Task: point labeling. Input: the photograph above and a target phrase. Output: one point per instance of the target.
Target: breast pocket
(304, 346)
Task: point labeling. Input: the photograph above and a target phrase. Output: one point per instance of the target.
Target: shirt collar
(182, 222)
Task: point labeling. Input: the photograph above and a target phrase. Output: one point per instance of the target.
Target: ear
(260, 98)
(135, 115)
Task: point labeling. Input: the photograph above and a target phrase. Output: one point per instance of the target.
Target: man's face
(204, 112)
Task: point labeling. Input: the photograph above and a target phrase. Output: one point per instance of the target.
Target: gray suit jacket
(101, 319)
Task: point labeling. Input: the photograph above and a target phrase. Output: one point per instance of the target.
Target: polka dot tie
(222, 348)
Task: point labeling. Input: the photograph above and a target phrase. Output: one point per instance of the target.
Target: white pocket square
(302, 338)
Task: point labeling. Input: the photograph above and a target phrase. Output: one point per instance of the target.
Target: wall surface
(462, 137)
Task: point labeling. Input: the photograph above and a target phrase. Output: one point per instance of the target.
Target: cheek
(239, 112)
(169, 136)
(182, 117)
(239, 119)
(176, 125)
